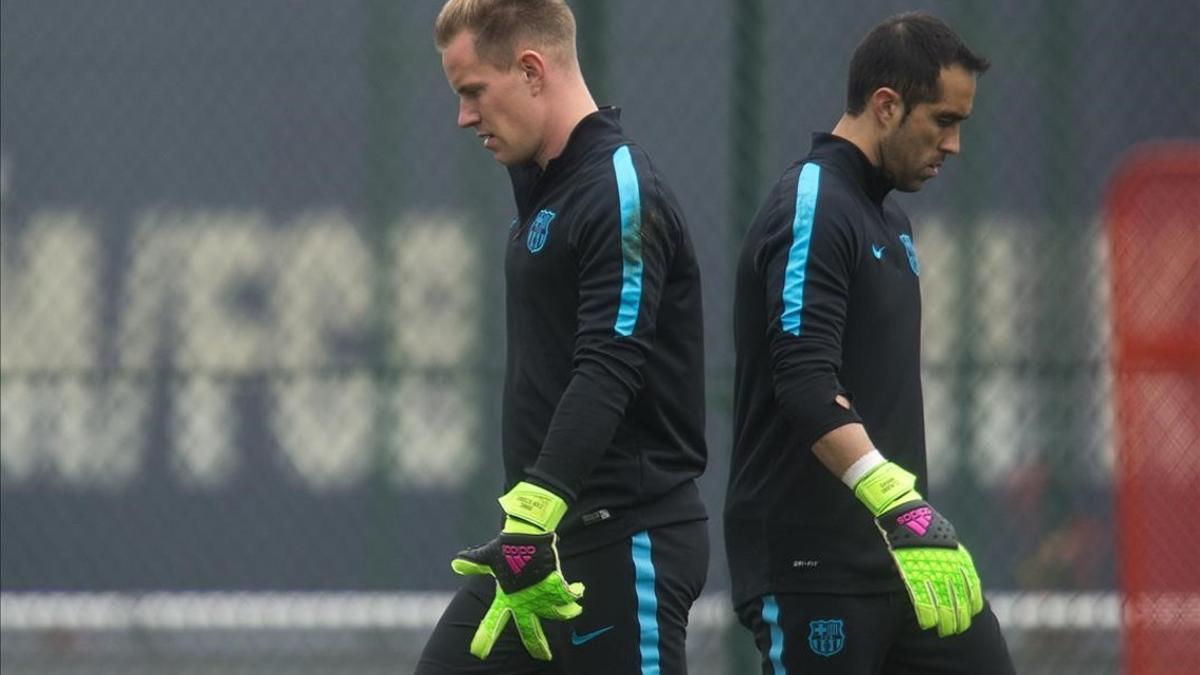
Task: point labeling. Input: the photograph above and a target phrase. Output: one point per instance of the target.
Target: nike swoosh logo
(577, 639)
(877, 251)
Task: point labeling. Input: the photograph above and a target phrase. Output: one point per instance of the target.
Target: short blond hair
(500, 26)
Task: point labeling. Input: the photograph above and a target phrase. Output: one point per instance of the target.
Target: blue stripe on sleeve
(770, 615)
(647, 603)
(802, 224)
(631, 241)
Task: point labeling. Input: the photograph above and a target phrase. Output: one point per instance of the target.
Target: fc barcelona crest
(539, 231)
(825, 636)
(912, 253)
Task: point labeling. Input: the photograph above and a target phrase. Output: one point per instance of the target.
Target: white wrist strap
(861, 467)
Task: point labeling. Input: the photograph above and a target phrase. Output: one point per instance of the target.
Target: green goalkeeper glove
(937, 570)
(529, 581)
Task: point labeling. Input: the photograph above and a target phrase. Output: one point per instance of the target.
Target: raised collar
(586, 136)
(850, 158)
(597, 132)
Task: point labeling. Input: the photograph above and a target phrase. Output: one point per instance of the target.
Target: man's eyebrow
(951, 116)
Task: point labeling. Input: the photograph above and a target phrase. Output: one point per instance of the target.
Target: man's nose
(951, 144)
(467, 115)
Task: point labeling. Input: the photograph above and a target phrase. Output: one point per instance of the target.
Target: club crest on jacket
(539, 231)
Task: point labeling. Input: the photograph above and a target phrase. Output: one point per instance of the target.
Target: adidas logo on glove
(518, 556)
(917, 520)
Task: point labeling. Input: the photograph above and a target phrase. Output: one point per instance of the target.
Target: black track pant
(634, 621)
(817, 634)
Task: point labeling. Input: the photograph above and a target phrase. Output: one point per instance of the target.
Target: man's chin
(914, 184)
(505, 159)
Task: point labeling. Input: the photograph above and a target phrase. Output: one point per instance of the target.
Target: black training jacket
(604, 386)
(828, 302)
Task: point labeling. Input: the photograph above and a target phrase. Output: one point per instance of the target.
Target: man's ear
(887, 107)
(533, 69)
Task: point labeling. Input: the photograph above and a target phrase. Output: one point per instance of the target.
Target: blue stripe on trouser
(647, 602)
(631, 240)
(797, 265)
(770, 615)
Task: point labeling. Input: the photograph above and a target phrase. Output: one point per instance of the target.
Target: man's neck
(573, 104)
(857, 131)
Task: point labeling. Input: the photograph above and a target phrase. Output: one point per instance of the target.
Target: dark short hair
(907, 53)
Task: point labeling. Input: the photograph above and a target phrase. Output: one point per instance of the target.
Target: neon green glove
(937, 570)
(529, 581)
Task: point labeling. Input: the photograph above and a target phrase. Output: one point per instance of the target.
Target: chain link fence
(252, 337)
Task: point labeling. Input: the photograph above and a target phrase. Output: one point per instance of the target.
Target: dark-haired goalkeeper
(838, 562)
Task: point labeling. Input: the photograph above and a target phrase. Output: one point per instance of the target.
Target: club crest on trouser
(911, 250)
(825, 636)
(539, 231)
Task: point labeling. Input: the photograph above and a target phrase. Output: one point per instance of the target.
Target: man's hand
(529, 582)
(937, 570)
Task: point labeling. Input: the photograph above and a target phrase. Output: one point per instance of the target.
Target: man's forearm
(839, 449)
